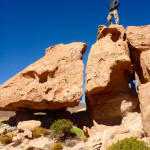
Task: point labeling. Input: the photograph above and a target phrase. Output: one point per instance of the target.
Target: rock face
(139, 40)
(53, 82)
(144, 96)
(108, 74)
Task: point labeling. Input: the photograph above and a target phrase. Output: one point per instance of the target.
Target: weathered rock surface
(139, 40)
(113, 134)
(108, 73)
(28, 125)
(133, 121)
(53, 82)
(144, 97)
(139, 37)
(39, 144)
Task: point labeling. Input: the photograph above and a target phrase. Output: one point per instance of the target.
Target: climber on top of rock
(113, 11)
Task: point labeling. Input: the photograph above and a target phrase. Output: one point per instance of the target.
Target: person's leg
(115, 12)
(110, 15)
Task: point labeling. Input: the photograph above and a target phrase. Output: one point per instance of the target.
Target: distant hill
(5, 115)
(81, 106)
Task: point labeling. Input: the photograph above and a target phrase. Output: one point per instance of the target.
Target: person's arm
(116, 3)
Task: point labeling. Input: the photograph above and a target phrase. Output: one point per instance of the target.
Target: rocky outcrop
(108, 74)
(139, 41)
(144, 96)
(53, 82)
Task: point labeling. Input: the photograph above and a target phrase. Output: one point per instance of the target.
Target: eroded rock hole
(133, 86)
(43, 77)
(131, 80)
(53, 72)
(47, 91)
(115, 34)
(30, 74)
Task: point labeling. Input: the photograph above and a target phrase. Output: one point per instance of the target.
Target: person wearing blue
(113, 11)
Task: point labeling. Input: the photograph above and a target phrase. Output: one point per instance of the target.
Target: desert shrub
(129, 144)
(1, 123)
(39, 131)
(6, 138)
(76, 131)
(57, 146)
(84, 139)
(61, 128)
(71, 142)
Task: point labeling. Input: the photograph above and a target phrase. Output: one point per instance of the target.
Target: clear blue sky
(28, 27)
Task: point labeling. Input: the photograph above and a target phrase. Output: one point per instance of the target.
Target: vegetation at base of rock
(39, 131)
(1, 123)
(6, 138)
(129, 144)
(57, 146)
(70, 142)
(76, 131)
(61, 128)
(84, 139)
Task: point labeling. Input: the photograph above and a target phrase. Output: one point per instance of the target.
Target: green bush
(1, 123)
(76, 131)
(61, 128)
(129, 144)
(57, 146)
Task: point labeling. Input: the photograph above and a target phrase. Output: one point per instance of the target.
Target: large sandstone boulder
(139, 41)
(108, 74)
(144, 97)
(53, 82)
